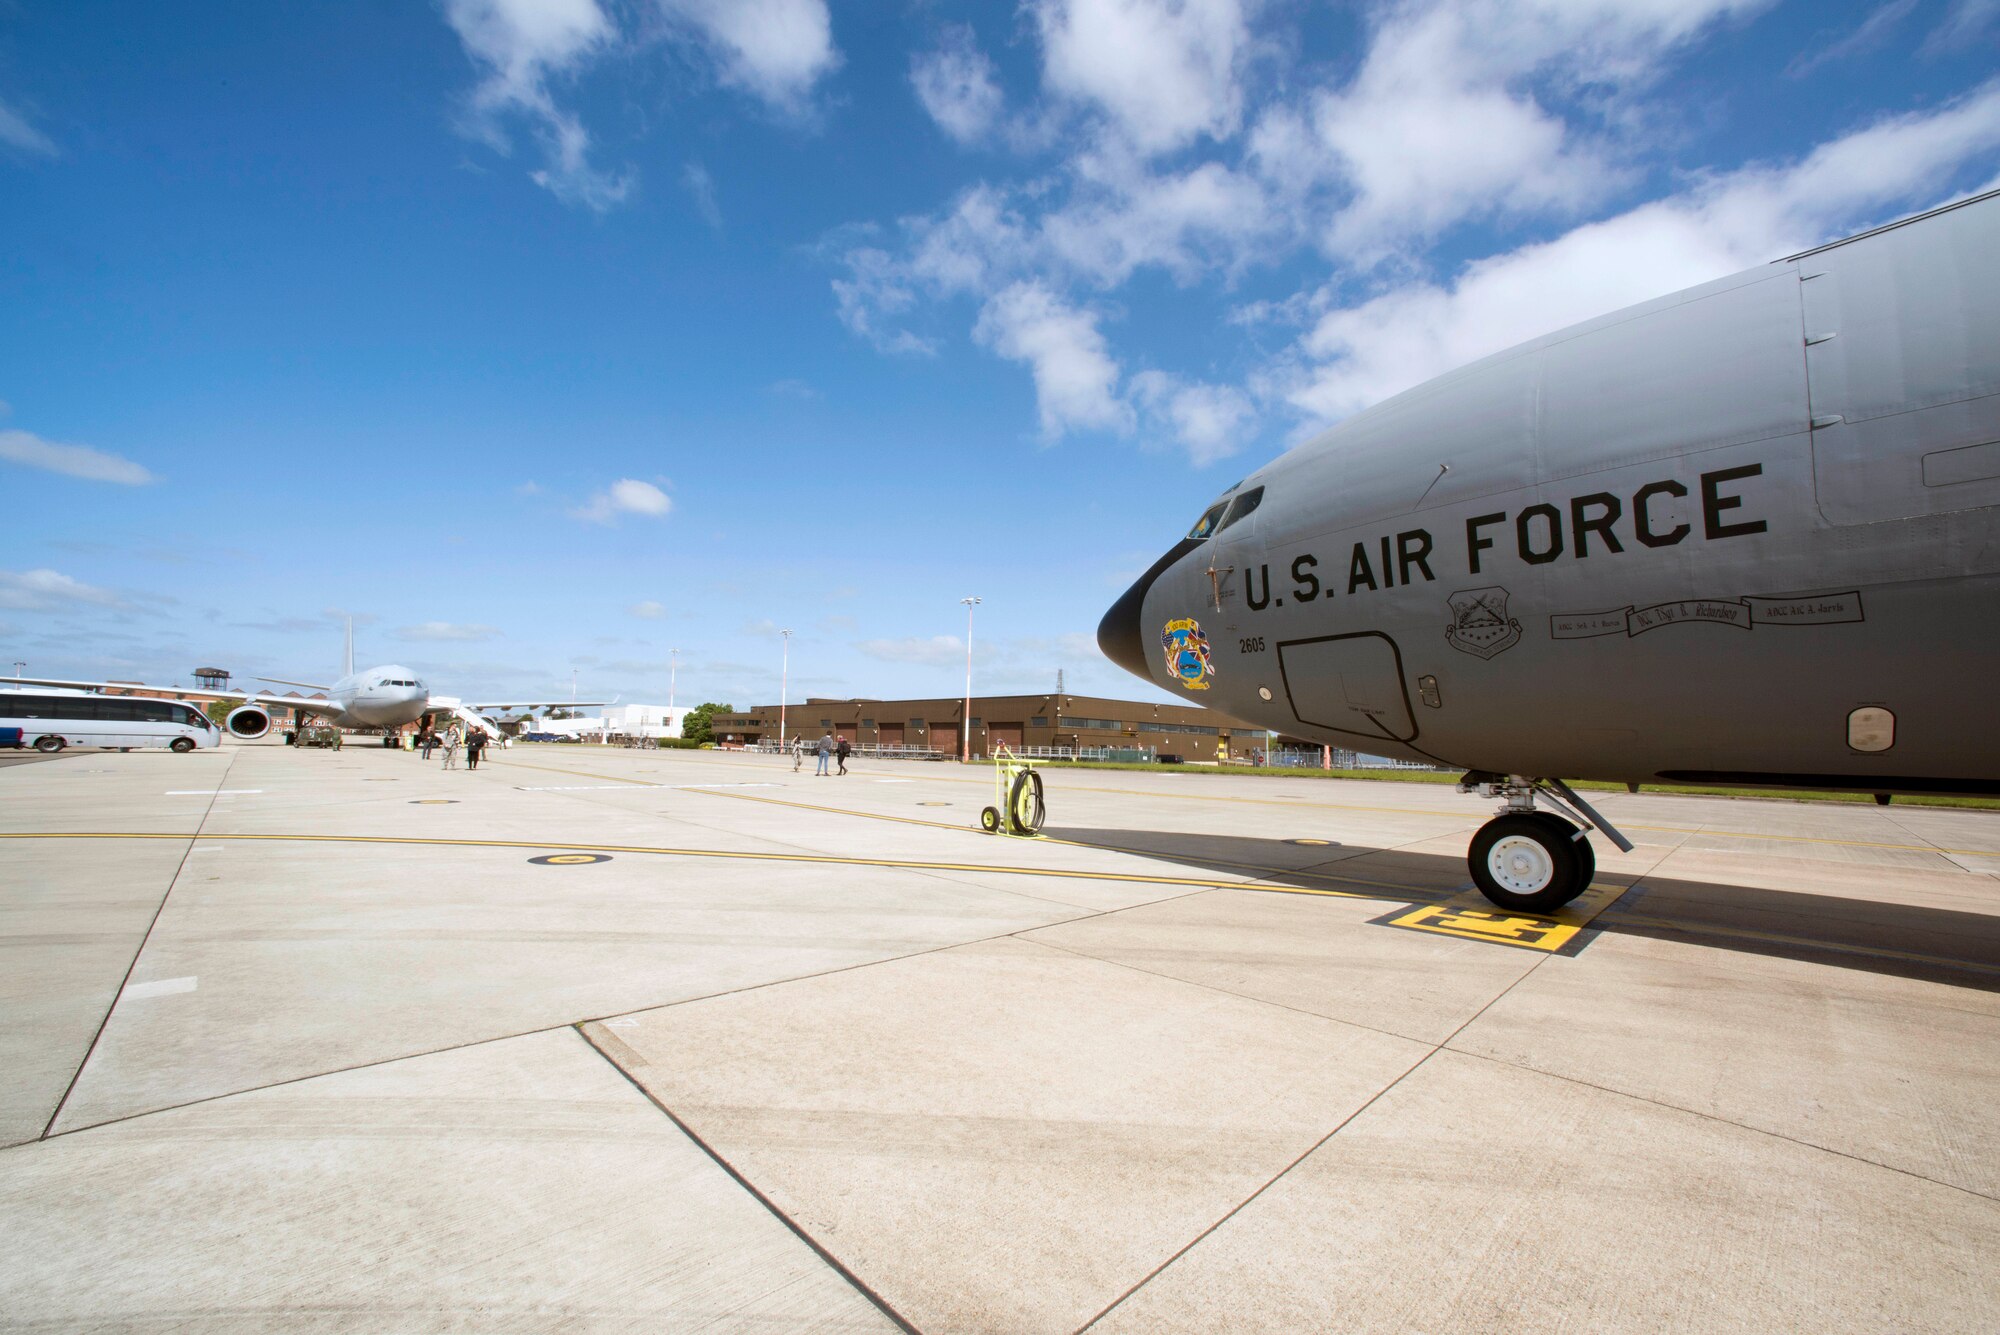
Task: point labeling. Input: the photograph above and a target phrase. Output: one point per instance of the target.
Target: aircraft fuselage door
(1349, 683)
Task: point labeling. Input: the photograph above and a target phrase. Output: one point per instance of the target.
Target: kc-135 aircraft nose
(1122, 634)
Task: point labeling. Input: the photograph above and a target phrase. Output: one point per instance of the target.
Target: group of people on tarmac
(451, 740)
(829, 748)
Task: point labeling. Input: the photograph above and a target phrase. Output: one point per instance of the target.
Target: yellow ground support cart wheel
(1019, 805)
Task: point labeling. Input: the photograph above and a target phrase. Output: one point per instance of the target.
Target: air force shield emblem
(1187, 653)
(1479, 622)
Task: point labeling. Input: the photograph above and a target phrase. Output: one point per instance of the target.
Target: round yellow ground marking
(933, 804)
(1313, 843)
(569, 859)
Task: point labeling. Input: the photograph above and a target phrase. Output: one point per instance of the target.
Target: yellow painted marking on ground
(1474, 918)
(1060, 873)
(1297, 803)
(1262, 870)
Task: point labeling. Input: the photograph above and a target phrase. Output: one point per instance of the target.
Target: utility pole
(965, 754)
(784, 687)
(673, 671)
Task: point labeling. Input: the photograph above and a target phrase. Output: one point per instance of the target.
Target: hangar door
(1348, 683)
(889, 734)
(998, 734)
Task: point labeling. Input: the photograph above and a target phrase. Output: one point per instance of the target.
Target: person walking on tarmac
(428, 740)
(451, 740)
(475, 746)
(798, 752)
(841, 751)
(825, 752)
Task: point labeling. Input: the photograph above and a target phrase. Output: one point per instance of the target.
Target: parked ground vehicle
(51, 718)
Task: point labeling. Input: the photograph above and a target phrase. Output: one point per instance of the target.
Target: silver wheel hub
(1521, 865)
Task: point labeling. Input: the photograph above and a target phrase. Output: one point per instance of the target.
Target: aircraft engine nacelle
(248, 722)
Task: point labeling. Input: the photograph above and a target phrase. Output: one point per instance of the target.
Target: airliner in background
(387, 696)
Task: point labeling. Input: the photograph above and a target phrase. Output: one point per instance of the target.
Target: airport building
(1022, 722)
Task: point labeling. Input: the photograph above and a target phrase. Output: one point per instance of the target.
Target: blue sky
(551, 335)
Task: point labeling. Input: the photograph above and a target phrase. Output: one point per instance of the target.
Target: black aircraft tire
(1526, 862)
(989, 820)
(1025, 809)
(1584, 849)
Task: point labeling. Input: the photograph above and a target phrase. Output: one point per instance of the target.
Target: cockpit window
(1242, 506)
(1210, 520)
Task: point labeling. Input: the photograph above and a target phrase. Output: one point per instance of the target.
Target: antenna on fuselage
(350, 646)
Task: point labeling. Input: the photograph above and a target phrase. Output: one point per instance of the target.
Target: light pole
(673, 672)
(19, 668)
(784, 687)
(965, 756)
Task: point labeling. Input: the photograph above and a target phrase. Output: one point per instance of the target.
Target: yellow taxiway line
(1306, 804)
(1405, 894)
(1260, 869)
(901, 864)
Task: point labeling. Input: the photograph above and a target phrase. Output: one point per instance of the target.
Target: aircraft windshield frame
(1241, 507)
(1205, 527)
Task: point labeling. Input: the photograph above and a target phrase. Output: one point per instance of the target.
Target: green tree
(218, 710)
(699, 725)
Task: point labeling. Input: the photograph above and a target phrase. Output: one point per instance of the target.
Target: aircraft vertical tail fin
(350, 646)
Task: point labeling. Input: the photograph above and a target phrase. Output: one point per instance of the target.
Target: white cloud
(1358, 355)
(521, 45)
(530, 488)
(1967, 22)
(875, 291)
(625, 496)
(775, 50)
(1124, 217)
(956, 85)
(1210, 422)
(15, 132)
(1870, 33)
(1164, 72)
(22, 447)
(648, 610)
(931, 650)
(701, 186)
(446, 631)
(1076, 379)
(35, 590)
(1442, 123)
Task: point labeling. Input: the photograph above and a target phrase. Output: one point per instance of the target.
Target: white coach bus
(50, 718)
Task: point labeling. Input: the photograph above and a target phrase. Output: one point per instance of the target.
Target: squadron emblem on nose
(1187, 653)
(1480, 624)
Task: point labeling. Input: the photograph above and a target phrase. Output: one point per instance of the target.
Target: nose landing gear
(1530, 861)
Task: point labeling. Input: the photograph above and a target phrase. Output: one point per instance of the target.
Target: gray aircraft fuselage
(1743, 534)
(381, 697)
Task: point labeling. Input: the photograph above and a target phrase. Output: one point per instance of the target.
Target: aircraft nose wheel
(1531, 862)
